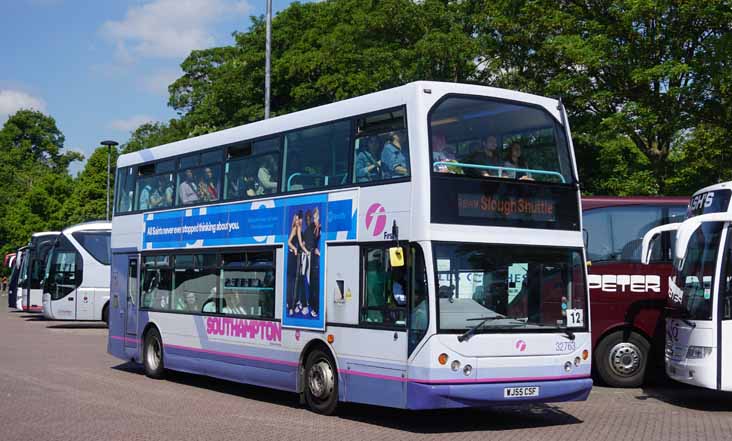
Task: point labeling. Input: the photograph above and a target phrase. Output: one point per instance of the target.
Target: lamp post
(268, 59)
(109, 145)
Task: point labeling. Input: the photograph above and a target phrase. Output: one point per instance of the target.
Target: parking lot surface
(58, 383)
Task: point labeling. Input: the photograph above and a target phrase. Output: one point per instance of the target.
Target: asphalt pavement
(57, 382)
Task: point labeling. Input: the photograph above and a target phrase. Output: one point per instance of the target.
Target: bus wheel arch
(622, 356)
(105, 313)
(152, 352)
(318, 382)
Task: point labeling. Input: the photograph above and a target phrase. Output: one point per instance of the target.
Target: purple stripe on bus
(500, 380)
(229, 354)
(126, 339)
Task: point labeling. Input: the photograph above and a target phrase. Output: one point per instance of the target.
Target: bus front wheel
(321, 382)
(621, 359)
(105, 314)
(152, 354)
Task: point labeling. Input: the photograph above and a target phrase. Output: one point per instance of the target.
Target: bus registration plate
(520, 392)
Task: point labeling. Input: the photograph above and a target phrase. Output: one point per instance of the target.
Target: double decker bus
(699, 319)
(627, 297)
(76, 283)
(38, 248)
(419, 247)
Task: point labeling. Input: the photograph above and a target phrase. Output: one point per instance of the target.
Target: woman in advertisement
(295, 248)
(312, 242)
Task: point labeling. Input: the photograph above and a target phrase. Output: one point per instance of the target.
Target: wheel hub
(154, 354)
(625, 359)
(321, 380)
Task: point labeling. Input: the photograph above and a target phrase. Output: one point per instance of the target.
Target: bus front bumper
(441, 396)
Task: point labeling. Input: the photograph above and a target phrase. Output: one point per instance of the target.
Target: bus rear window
(486, 138)
(96, 243)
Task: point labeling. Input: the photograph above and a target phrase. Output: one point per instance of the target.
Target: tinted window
(194, 283)
(125, 193)
(199, 185)
(157, 283)
(317, 157)
(252, 169)
(384, 300)
(96, 243)
(381, 147)
(248, 284)
(488, 138)
(63, 274)
(616, 233)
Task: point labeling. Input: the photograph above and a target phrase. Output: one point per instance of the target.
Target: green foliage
(34, 177)
(88, 199)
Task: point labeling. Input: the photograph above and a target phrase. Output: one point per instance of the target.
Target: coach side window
(317, 157)
(616, 233)
(157, 282)
(381, 147)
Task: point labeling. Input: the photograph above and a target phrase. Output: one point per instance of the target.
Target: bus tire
(621, 359)
(152, 354)
(321, 382)
(105, 314)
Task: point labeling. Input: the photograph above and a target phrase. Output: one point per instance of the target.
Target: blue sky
(101, 68)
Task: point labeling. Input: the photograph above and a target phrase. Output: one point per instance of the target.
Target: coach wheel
(105, 314)
(621, 362)
(321, 383)
(152, 354)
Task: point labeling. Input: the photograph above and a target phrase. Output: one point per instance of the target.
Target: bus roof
(45, 233)
(89, 226)
(360, 105)
(719, 186)
(592, 202)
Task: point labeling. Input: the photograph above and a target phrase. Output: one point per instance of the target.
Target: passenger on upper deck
(188, 190)
(487, 155)
(441, 153)
(143, 203)
(207, 188)
(368, 168)
(516, 161)
(267, 171)
(393, 160)
(162, 196)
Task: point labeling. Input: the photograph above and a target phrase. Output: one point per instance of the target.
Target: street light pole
(109, 145)
(268, 61)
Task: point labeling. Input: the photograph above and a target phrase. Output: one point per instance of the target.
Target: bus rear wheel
(621, 359)
(152, 355)
(321, 383)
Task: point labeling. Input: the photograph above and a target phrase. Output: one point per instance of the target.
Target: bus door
(132, 292)
(724, 337)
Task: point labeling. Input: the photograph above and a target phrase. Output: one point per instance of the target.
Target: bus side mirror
(585, 238)
(650, 236)
(396, 257)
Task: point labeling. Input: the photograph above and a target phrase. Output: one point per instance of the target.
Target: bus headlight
(467, 370)
(455, 365)
(698, 352)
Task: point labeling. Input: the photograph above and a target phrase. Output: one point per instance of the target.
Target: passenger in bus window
(188, 190)
(441, 153)
(162, 196)
(368, 168)
(516, 161)
(393, 158)
(145, 192)
(485, 153)
(265, 175)
(233, 304)
(207, 188)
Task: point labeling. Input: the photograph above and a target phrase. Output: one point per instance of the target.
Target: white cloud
(129, 124)
(159, 81)
(169, 28)
(13, 100)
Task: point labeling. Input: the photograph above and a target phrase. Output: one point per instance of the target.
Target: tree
(88, 199)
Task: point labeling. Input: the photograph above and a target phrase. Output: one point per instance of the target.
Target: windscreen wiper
(483, 320)
(568, 334)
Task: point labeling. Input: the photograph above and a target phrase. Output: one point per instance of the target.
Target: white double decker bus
(418, 248)
(699, 318)
(76, 283)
